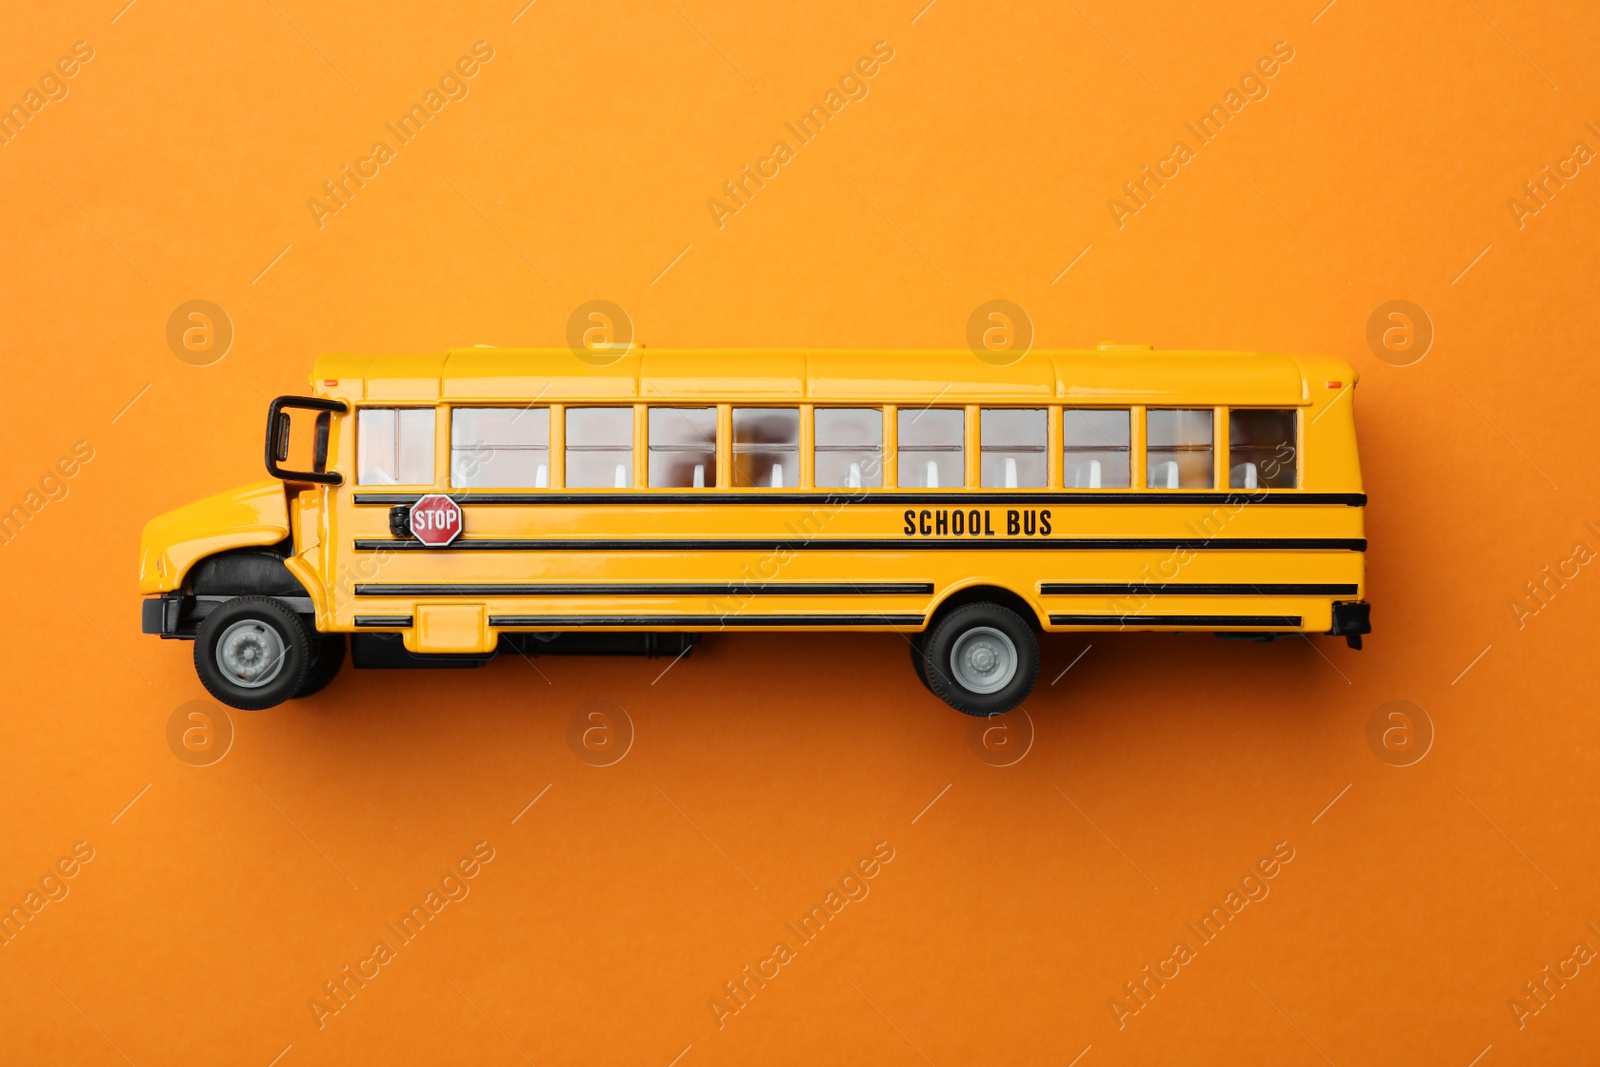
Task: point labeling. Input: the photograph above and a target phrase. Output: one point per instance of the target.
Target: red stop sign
(436, 520)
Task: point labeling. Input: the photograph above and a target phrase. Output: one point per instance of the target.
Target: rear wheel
(919, 658)
(981, 659)
(327, 656)
(252, 653)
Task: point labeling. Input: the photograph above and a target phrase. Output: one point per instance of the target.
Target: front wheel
(981, 659)
(252, 653)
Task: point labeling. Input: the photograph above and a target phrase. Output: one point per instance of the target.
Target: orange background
(1161, 768)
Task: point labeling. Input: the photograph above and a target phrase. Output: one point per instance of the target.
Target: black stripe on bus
(887, 498)
(858, 544)
(562, 622)
(1190, 589)
(1174, 620)
(383, 620)
(655, 589)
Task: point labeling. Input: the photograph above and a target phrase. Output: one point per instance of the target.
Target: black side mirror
(278, 433)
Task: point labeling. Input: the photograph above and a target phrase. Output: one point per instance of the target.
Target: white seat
(699, 475)
(622, 476)
(777, 476)
(541, 477)
(930, 480)
(1246, 476)
(1011, 473)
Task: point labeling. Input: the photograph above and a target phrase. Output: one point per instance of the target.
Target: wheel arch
(215, 579)
(984, 592)
(261, 571)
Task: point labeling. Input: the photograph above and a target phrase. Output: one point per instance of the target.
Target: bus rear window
(933, 448)
(683, 448)
(849, 448)
(600, 448)
(1178, 448)
(500, 448)
(394, 446)
(766, 448)
(1095, 448)
(1261, 449)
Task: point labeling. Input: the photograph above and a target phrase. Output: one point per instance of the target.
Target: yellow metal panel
(558, 445)
(1200, 379)
(891, 446)
(918, 378)
(1128, 375)
(450, 628)
(391, 378)
(773, 374)
(403, 390)
(725, 446)
(556, 374)
(256, 514)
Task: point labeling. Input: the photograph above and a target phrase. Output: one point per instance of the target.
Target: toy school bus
(443, 508)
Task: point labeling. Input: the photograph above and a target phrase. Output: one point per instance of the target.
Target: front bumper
(162, 615)
(179, 614)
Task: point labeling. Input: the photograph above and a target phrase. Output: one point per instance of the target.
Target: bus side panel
(863, 551)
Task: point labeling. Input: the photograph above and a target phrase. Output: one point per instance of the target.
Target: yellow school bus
(434, 510)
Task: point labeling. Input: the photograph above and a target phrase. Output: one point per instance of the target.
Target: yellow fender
(251, 515)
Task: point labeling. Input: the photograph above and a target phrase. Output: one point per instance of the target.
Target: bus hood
(255, 514)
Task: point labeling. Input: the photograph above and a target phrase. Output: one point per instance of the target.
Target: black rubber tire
(941, 640)
(919, 658)
(327, 656)
(296, 653)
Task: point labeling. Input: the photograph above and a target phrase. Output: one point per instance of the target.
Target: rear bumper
(1351, 620)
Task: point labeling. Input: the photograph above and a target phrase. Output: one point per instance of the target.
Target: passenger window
(500, 448)
(849, 448)
(1178, 448)
(1261, 449)
(1011, 447)
(766, 447)
(933, 448)
(1095, 449)
(599, 448)
(683, 448)
(394, 446)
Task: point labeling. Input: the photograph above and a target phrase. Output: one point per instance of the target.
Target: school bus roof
(1126, 375)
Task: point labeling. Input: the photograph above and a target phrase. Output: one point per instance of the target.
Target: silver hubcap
(250, 653)
(983, 660)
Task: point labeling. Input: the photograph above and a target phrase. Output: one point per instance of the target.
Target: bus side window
(500, 448)
(766, 448)
(683, 448)
(1095, 448)
(1178, 448)
(1261, 449)
(1011, 447)
(600, 448)
(394, 446)
(849, 448)
(933, 448)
